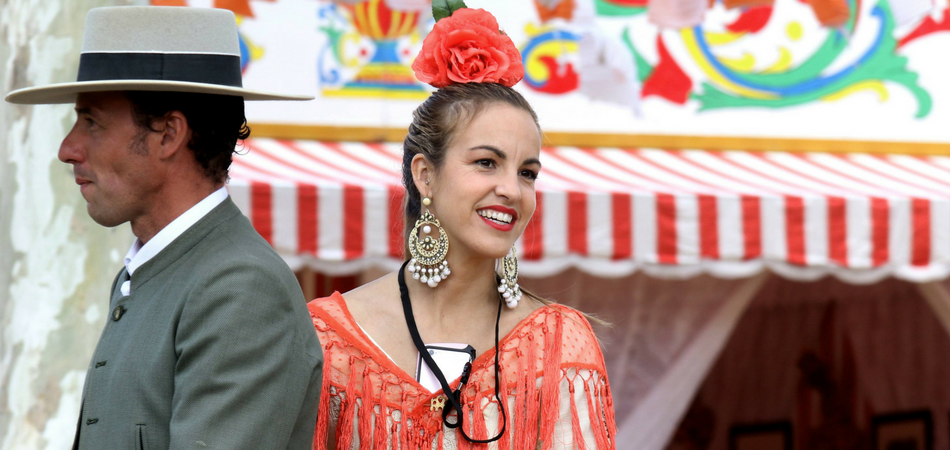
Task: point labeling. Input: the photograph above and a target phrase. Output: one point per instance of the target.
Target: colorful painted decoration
(744, 57)
(830, 72)
(249, 51)
(927, 27)
(549, 58)
(369, 51)
(620, 8)
(667, 79)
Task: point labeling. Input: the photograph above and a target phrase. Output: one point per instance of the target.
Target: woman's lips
(497, 225)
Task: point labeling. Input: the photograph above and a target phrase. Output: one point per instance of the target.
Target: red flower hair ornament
(468, 47)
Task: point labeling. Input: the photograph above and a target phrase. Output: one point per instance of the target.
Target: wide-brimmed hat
(155, 48)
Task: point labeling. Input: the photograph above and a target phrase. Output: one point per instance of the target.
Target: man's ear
(421, 173)
(175, 134)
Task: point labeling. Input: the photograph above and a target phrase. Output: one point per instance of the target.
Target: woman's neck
(467, 292)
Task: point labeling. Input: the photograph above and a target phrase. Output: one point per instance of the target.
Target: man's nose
(70, 152)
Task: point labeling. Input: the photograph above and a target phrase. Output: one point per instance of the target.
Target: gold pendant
(437, 403)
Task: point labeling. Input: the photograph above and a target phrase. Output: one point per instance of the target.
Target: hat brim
(66, 92)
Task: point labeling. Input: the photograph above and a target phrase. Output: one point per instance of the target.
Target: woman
(471, 159)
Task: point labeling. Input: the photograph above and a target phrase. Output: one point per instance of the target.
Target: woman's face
(484, 193)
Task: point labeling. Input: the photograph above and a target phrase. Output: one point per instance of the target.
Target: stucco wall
(56, 264)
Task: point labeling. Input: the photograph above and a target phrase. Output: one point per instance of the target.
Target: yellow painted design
(256, 51)
(349, 37)
(358, 92)
(391, 71)
(794, 31)
(359, 17)
(874, 85)
(690, 41)
(715, 39)
(406, 27)
(535, 68)
(375, 31)
(783, 63)
(743, 64)
(394, 24)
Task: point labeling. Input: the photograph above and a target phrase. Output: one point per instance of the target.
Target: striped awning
(610, 211)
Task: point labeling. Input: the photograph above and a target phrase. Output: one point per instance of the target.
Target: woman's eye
(487, 163)
(529, 174)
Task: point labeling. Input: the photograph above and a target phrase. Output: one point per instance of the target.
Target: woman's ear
(421, 173)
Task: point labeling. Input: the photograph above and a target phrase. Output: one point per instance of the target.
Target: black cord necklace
(454, 397)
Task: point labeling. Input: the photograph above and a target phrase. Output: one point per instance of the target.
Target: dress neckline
(383, 359)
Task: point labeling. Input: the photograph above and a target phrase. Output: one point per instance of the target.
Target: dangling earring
(509, 288)
(428, 264)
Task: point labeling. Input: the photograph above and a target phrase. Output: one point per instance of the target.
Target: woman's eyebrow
(503, 156)
(532, 161)
(494, 150)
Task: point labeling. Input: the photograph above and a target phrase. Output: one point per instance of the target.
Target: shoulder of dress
(332, 304)
(330, 313)
(578, 345)
(567, 317)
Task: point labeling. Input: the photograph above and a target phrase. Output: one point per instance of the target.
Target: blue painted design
(800, 88)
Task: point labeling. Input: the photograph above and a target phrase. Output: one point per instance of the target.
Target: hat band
(223, 70)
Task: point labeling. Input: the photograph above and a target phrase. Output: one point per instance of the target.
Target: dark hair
(435, 123)
(217, 122)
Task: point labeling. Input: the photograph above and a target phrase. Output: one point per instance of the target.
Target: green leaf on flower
(444, 8)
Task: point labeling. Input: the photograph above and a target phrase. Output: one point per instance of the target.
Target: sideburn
(139, 146)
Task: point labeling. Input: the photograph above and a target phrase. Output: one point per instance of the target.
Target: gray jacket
(214, 348)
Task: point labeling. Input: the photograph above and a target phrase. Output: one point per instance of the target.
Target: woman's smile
(499, 217)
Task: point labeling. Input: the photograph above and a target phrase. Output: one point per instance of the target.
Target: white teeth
(496, 216)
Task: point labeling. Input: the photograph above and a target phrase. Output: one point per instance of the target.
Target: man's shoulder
(234, 245)
(235, 240)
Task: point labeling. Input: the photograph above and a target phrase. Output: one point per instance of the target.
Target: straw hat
(154, 48)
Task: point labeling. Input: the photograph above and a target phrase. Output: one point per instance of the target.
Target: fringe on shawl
(550, 384)
(529, 436)
(321, 434)
(379, 430)
(576, 430)
(365, 425)
(348, 406)
(505, 441)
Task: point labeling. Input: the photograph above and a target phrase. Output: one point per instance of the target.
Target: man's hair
(217, 122)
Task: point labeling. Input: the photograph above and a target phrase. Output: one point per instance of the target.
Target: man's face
(111, 158)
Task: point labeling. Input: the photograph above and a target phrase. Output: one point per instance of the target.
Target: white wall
(56, 264)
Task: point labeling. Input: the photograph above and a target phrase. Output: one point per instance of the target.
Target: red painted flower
(467, 47)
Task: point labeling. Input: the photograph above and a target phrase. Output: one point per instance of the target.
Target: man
(208, 343)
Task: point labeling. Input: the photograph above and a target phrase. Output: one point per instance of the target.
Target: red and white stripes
(611, 211)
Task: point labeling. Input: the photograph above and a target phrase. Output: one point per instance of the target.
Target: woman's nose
(508, 187)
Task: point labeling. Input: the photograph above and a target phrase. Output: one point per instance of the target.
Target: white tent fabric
(336, 207)
(654, 420)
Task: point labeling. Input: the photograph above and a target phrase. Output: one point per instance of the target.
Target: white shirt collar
(141, 253)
